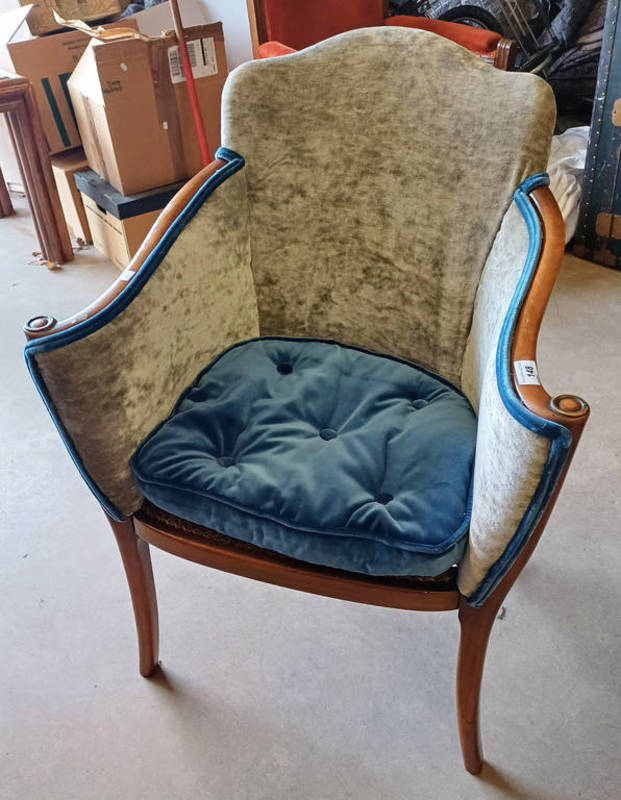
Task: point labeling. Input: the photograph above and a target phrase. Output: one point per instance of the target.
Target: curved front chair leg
(476, 624)
(137, 562)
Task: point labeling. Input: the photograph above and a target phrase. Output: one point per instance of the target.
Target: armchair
(319, 370)
(284, 26)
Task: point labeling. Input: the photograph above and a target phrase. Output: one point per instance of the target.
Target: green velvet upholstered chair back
(379, 166)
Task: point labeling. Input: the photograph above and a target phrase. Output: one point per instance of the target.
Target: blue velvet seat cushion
(322, 452)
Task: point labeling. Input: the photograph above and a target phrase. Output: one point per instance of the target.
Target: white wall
(233, 14)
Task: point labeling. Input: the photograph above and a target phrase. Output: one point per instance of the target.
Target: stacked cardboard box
(132, 109)
(133, 113)
(47, 62)
(125, 100)
(118, 224)
(64, 166)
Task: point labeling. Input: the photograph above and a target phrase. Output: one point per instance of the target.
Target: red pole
(190, 85)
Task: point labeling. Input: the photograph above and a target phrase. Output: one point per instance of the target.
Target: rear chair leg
(137, 563)
(476, 625)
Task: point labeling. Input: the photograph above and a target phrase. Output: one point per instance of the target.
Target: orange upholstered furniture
(285, 26)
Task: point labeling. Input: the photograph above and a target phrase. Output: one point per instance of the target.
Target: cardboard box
(41, 19)
(64, 167)
(47, 62)
(119, 224)
(132, 109)
(233, 14)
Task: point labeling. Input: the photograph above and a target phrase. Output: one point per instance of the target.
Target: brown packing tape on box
(166, 102)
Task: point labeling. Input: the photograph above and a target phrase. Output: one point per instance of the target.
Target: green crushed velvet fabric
(114, 386)
(509, 458)
(379, 167)
(380, 164)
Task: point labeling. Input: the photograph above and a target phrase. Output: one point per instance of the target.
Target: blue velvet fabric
(322, 452)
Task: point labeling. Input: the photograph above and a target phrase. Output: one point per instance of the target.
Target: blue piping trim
(54, 341)
(560, 436)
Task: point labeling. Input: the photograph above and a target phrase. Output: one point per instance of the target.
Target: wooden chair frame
(422, 594)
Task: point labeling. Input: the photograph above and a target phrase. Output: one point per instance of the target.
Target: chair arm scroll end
(40, 326)
(569, 405)
(568, 410)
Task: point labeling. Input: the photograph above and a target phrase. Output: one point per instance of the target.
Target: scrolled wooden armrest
(566, 409)
(38, 327)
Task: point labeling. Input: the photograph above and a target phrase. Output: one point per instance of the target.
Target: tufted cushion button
(384, 498)
(420, 403)
(327, 433)
(284, 368)
(226, 461)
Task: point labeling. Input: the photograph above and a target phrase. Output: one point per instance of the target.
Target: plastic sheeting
(566, 169)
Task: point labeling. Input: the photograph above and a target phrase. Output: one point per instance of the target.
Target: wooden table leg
(17, 102)
(47, 176)
(29, 182)
(6, 207)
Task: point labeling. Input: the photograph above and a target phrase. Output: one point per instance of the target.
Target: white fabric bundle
(566, 169)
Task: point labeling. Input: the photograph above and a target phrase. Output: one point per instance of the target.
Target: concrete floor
(270, 694)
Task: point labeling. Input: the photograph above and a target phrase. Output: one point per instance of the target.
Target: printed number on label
(526, 373)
